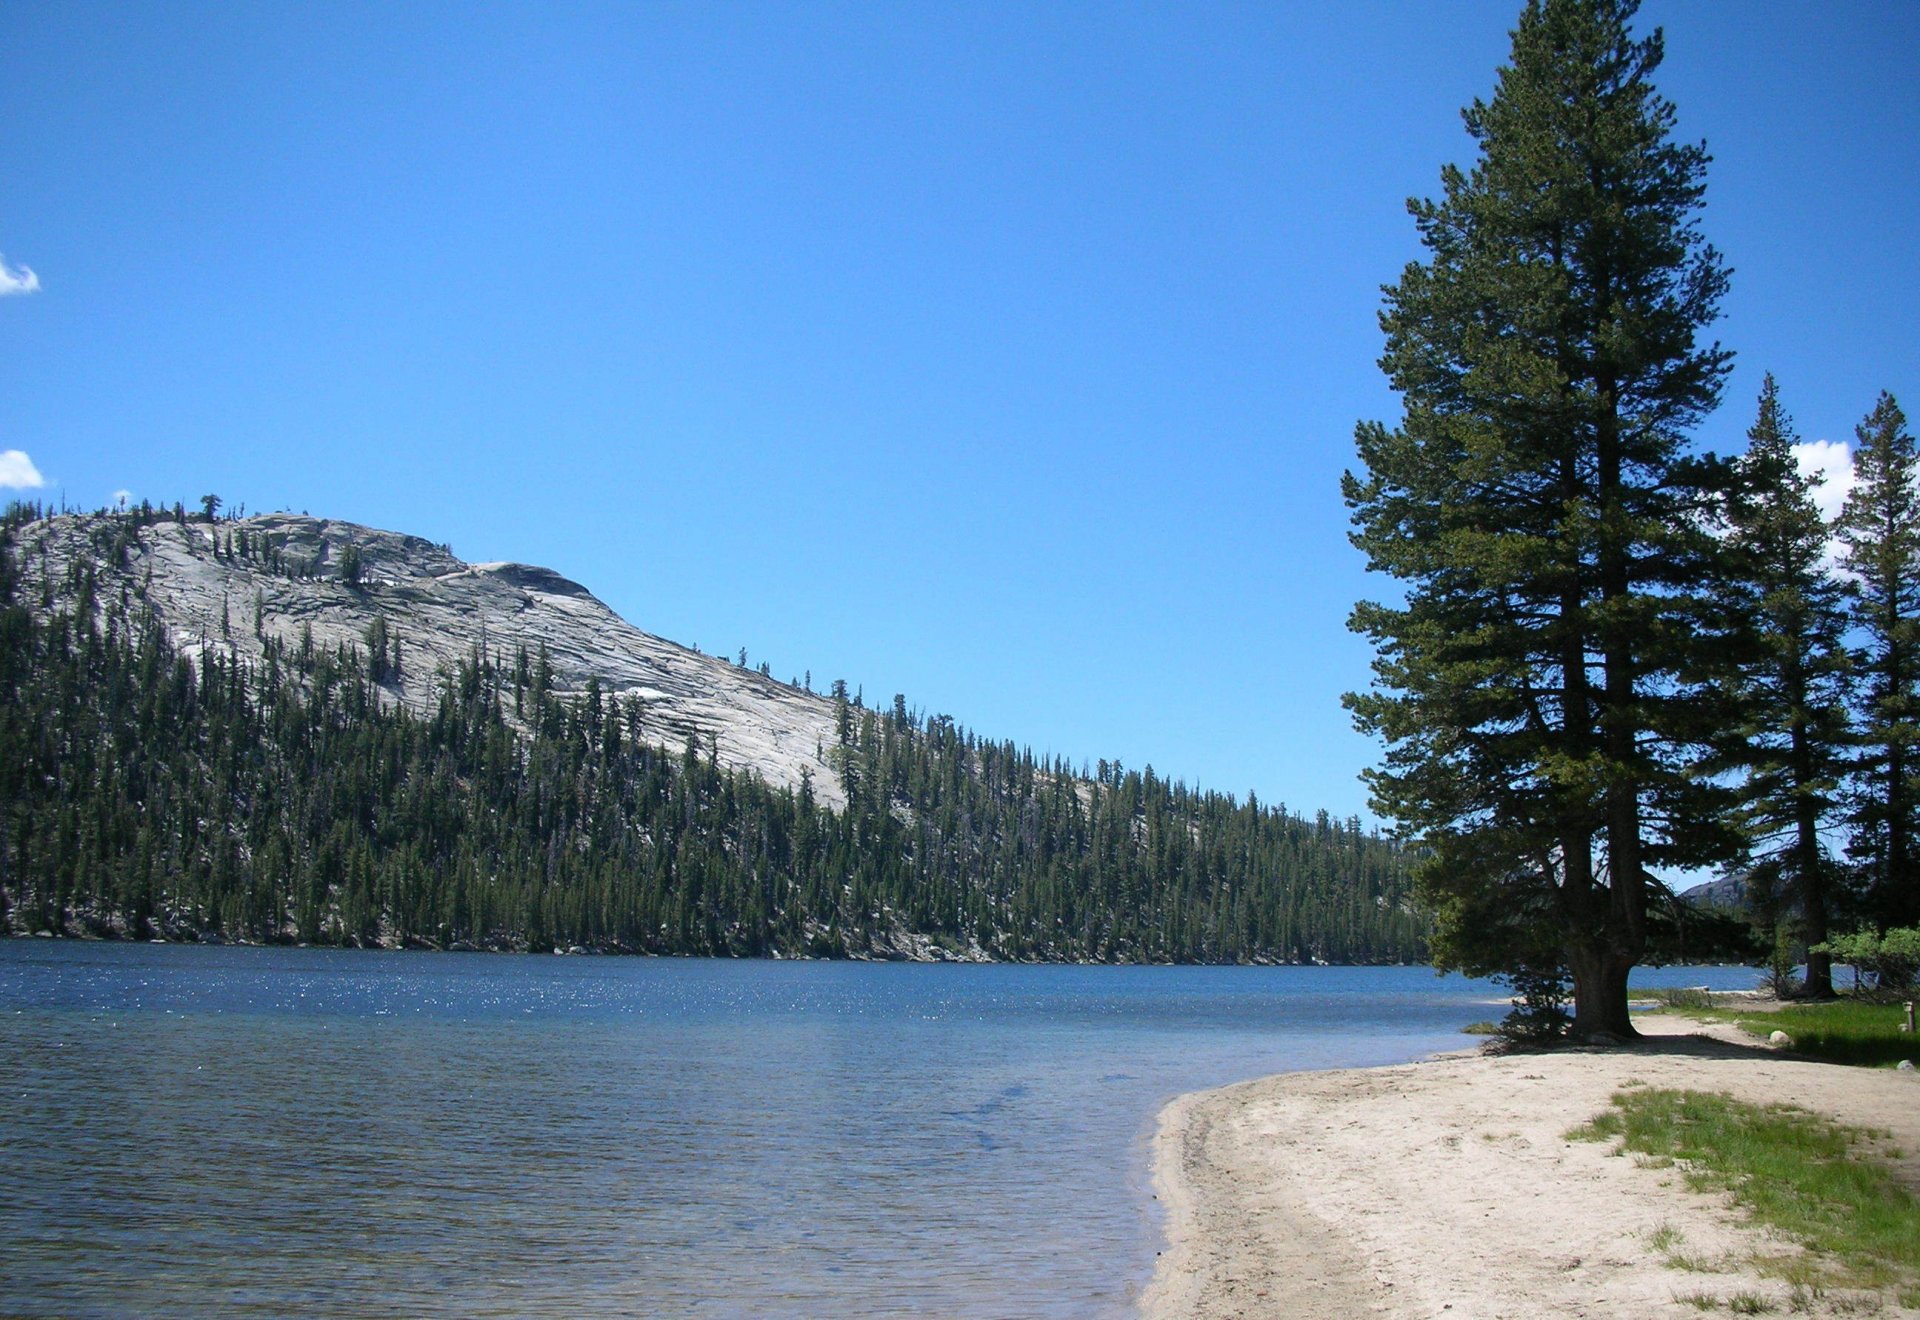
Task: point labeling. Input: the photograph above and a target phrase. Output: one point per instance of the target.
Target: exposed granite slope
(440, 608)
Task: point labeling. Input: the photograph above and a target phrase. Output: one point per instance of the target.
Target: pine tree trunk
(1902, 896)
(1600, 993)
(1819, 975)
(1807, 862)
(1814, 924)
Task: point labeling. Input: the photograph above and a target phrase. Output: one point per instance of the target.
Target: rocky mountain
(1728, 893)
(229, 584)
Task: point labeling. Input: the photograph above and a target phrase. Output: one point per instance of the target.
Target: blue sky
(1007, 356)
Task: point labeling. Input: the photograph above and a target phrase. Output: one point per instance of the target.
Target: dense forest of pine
(147, 794)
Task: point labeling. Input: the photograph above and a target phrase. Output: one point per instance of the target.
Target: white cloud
(122, 498)
(17, 279)
(1830, 464)
(17, 471)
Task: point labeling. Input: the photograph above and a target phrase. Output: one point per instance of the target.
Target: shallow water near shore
(241, 1131)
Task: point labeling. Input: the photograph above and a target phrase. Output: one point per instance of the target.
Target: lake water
(199, 1131)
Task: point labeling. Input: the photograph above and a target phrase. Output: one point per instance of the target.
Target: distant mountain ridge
(1729, 893)
(230, 583)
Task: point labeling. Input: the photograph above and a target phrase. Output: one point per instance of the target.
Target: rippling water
(235, 1131)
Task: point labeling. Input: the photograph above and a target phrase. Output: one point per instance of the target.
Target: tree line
(153, 794)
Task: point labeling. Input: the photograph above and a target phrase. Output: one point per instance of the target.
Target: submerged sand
(1449, 1188)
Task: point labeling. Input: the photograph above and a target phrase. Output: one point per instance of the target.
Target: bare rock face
(337, 578)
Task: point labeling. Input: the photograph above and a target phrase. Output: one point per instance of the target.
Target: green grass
(1843, 1031)
(1818, 1183)
(1846, 1031)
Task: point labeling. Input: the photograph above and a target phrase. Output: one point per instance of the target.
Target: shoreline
(1448, 1186)
(912, 947)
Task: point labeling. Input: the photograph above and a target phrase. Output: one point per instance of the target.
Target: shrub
(1541, 991)
(1782, 978)
(1886, 963)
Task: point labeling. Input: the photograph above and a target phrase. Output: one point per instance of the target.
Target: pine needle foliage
(1541, 686)
(1880, 530)
(1792, 737)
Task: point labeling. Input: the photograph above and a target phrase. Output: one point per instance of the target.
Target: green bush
(1782, 976)
(1886, 963)
(1542, 991)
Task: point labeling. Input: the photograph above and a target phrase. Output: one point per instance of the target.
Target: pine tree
(1538, 504)
(1793, 726)
(1880, 530)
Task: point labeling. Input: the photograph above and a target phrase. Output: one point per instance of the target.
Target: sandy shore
(1448, 1187)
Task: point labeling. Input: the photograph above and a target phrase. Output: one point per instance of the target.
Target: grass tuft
(1814, 1181)
(1679, 1260)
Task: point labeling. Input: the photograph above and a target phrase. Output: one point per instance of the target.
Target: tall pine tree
(1538, 505)
(1792, 728)
(1880, 528)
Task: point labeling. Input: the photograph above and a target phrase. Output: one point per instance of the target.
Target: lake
(224, 1131)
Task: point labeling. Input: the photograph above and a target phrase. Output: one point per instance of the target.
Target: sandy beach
(1449, 1187)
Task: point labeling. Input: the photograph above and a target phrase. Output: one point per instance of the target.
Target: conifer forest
(149, 794)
